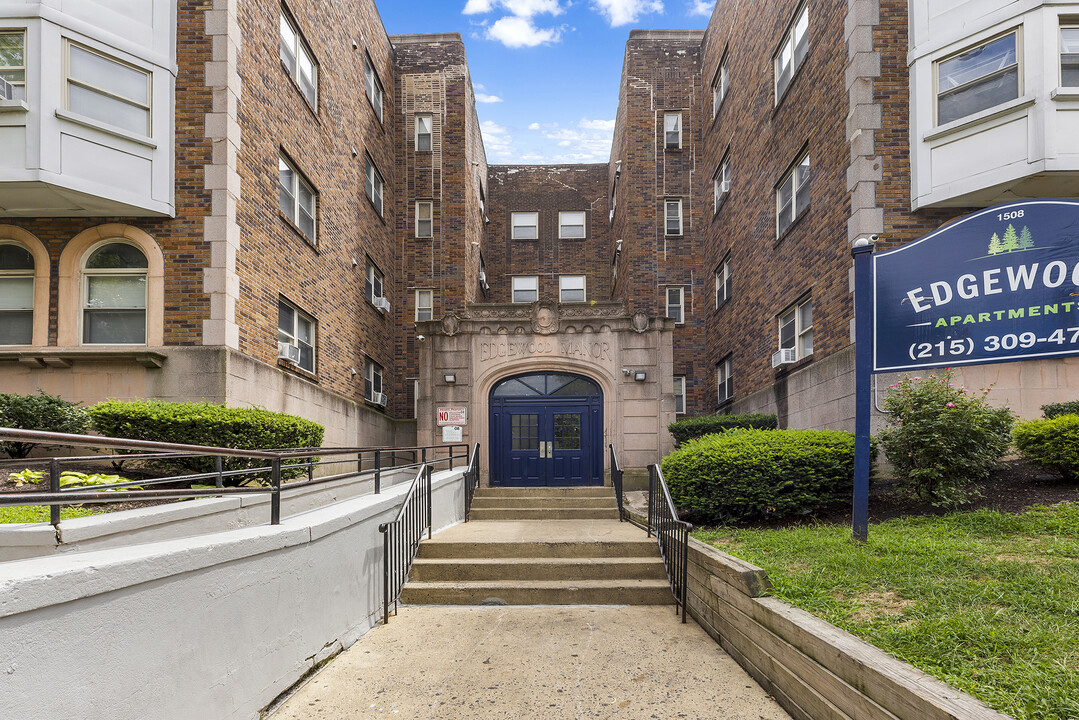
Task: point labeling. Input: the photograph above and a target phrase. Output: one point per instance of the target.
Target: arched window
(114, 294)
(16, 294)
(111, 288)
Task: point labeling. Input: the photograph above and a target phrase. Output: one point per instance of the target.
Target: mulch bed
(9, 485)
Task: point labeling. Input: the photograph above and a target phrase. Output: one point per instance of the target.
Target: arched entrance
(546, 429)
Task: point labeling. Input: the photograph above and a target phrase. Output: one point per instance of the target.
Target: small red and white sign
(452, 416)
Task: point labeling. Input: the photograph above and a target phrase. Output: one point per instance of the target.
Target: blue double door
(546, 429)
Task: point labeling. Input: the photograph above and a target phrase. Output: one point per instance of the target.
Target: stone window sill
(55, 357)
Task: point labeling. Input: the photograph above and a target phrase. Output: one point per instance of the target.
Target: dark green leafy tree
(39, 412)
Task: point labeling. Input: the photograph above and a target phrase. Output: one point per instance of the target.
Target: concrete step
(541, 513)
(528, 569)
(590, 491)
(544, 501)
(541, 549)
(539, 592)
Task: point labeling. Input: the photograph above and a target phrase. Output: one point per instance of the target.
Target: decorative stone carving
(640, 322)
(545, 318)
(451, 324)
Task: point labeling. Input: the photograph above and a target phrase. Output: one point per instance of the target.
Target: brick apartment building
(277, 204)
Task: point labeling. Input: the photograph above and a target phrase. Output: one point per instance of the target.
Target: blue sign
(1001, 284)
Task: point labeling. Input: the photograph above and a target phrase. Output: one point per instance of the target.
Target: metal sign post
(863, 372)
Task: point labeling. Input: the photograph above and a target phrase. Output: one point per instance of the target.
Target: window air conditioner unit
(288, 352)
(725, 186)
(785, 356)
(7, 90)
(379, 399)
(382, 304)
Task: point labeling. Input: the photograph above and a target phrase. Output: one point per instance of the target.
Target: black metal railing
(616, 481)
(472, 479)
(672, 534)
(271, 469)
(401, 539)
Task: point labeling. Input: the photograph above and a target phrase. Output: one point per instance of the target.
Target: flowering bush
(941, 438)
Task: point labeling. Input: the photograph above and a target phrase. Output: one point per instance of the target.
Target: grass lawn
(984, 600)
(40, 513)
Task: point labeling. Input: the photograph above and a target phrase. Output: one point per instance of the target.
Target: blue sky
(546, 72)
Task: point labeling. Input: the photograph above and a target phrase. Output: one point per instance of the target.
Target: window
(525, 289)
(297, 328)
(720, 85)
(571, 225)
(792, 195)
(796, 328)
(792, 53)
(423, 133)
(107, 90)
(372, 381)
(571, 288)
(676, 304)
(298, 200)
(723, 282)
(373, 85)
(298, 59)
(16, 295)
(13, 61)
(674, 217)
(721, 183)
(373, 184)
(114, 295)
(978, 78)
(425, 305)
(423, 218)
(372, 287)
(724, 381)
(525, 225)
(680, 394)
(672, 130)
(1069, 56)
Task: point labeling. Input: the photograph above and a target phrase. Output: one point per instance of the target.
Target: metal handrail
(472, 479)
(401, 539)
(671, 533)
(279, 461)
(616, 481)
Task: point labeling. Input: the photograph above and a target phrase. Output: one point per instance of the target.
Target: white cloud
(534, 126)
(622, 12)
(528, 8)
(497, 140)
(473, 7)
(485, 98)
(515, 32)
(607, 125)
(702, 7)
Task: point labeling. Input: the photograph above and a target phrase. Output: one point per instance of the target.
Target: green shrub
(1054, 410)
(748, 473)
(1052, 444)
(207, 424)
(695, 427)
(941, 438)
(39, 412)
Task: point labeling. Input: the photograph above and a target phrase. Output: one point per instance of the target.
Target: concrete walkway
(544, 662)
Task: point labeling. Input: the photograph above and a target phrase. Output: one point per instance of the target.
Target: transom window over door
(16, 295)
(13, 62)
(977, 79)
(107, 90)
(114, 296)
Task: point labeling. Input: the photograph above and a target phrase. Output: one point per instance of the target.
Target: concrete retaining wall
(214, 626)
(814, 669)
(177, 520)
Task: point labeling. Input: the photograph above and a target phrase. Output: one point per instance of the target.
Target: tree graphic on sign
(1025, 240)
(994, 245)
(1010, 241)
